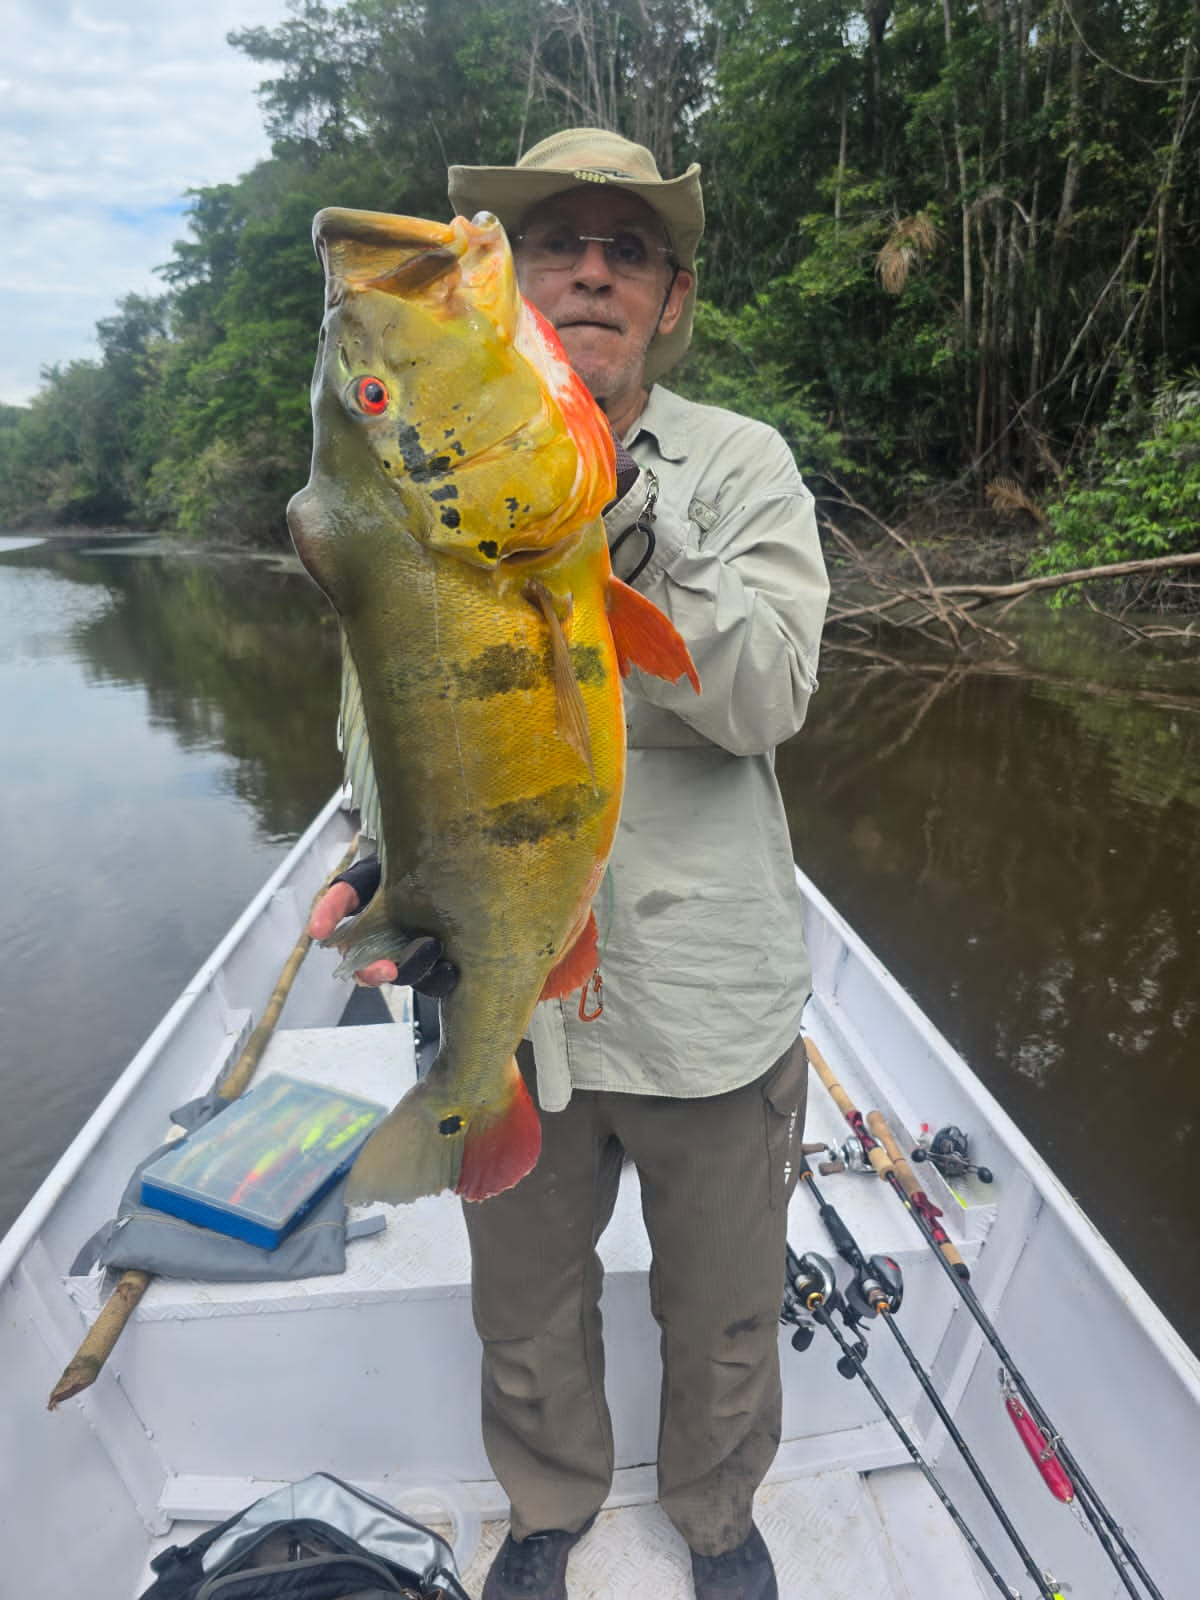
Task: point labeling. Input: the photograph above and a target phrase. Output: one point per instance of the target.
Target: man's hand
(421, 964)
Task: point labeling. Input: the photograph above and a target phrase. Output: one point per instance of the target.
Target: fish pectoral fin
(576, 964)
(645, 638)
(426, 1145)
(367, 937)
(357, 762)
(571, 719)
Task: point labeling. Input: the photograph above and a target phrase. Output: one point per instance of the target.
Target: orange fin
(576, 964)
(572, 720)
(502, 1142)
(645, 638)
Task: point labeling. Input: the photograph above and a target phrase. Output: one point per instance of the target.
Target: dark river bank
(1019, 844)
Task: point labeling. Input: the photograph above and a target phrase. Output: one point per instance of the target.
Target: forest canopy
(951, 246)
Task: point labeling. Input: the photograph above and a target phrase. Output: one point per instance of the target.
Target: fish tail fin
(503, 1141)
(425, 1146)
(645, 638)
(406, 1156)
(576, 964)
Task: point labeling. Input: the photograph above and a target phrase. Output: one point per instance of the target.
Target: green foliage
(942, 243)
(1137, 497)
(730, 364)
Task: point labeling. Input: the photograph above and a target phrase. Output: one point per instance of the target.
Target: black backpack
(319, 1539)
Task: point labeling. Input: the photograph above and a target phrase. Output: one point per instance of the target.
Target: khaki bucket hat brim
(592, 156)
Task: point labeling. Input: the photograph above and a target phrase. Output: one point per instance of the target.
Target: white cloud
(109, 111)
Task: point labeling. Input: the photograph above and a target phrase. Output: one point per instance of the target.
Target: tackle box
(257, 1169)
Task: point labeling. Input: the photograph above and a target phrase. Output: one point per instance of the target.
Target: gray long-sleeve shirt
(703, 959)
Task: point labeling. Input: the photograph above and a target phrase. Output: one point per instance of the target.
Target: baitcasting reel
(948, 1149)
(878, 1286)
(809, 1287)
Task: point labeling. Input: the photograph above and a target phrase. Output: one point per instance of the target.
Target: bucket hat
(580, 156)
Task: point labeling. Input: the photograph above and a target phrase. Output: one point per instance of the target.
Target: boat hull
(218, 1392)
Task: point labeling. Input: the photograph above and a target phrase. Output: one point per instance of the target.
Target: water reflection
(168, 729)
(1022, 850)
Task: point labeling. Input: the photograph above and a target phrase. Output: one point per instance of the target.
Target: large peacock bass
(452, 517)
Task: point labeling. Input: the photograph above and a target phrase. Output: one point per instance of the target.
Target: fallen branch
(945, 612)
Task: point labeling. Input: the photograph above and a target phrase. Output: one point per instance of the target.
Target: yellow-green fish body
(452, 516)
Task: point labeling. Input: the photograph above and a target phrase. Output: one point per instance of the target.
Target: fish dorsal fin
(646, 638)
(355, 745)
(572, 718)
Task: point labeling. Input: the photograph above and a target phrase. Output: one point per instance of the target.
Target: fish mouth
(546, 553)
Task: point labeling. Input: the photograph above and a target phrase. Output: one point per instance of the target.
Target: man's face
(605, 318)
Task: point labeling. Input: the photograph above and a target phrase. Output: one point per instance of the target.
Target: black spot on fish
(448, 491)
(588, 663)
(450, 518)
(529, 821)
(419, 464)
(511, 502)
(458, 447)
(487, 547)
(449, 433)
(451, 1124)
(500, 669)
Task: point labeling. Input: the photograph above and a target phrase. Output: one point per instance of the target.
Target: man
(694, 1069)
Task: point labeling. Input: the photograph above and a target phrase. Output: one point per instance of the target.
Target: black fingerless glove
(363, 877)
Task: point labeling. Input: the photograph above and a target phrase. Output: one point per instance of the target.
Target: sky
(110, 110)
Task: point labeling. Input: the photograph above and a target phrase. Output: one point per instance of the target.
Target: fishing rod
(811, 1291)
(877, 1291)
(886, 1158)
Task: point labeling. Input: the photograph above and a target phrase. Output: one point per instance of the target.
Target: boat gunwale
(53, 1188)
(1082, 1231)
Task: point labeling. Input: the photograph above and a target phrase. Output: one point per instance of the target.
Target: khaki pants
(716, 1175)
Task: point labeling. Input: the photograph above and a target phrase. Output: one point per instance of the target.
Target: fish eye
(370, 395)
(485, 219)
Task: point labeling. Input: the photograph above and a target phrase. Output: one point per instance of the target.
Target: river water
(1019, 844)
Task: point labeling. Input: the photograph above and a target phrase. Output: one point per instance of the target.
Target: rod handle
(907, 1179)
(878, 1158)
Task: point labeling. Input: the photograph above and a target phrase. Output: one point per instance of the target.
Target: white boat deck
(217, 1394)
(401, 1395)
(832, 1535)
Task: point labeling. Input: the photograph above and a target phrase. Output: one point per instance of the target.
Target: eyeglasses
(630, 253)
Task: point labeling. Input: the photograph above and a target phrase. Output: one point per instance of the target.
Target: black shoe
(534, 1568)
(743, 1573)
